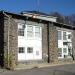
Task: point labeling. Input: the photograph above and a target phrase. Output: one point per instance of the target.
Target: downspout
(48, 42)
(72, 45)
(8, 38)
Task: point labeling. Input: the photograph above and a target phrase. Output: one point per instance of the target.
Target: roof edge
(35, 18)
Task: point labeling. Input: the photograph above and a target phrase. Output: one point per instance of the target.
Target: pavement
(65, 69)
(68, 69)
(42, 65)
(2, 70)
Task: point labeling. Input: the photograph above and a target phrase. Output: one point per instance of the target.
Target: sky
(65, 7)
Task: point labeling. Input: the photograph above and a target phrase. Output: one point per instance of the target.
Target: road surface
(56, 70)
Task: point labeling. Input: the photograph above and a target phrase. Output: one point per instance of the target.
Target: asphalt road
(58, 70)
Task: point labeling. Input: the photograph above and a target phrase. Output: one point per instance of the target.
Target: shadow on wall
(1, 42)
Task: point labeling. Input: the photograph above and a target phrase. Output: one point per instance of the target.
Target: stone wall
(13, 43)
(5, 42)
(45, 43)
(10, 40)
(49, 42)
(53, 48)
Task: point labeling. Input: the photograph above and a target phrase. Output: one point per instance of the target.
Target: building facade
(34, 38)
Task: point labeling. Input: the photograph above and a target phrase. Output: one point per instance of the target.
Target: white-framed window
(69, 36)
(21, 50)
(30, 50)
(37, 31)
(29, 31)
(21, 28)
(64, 36)
(65, 43)
(64, 50)
(59, 35)
(59, 52)
(20, 32)
(69, 51)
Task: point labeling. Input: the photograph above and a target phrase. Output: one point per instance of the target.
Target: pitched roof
(22, 16)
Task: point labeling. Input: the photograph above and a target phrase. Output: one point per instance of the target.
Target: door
(29, 53)
(21, 54)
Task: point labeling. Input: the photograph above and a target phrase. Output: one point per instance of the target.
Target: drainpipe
(8, 38)
(72, 45)
(48, 42)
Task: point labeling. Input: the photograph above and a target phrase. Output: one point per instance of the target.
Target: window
(29, 31)
(65, 43)
(59, 52)
(64, 36)
(21, 32)
(37, 31)
(64, 50)
(69, 36)
(29, 50)
(21, 50)
(21, 28)
(69, 51)
(59, 35)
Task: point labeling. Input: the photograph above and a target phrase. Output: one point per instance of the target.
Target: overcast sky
(65, 7)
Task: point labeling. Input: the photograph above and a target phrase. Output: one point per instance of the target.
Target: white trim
(60, 43)
(36, 43)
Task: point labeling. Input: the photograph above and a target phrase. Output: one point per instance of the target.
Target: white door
(29, 53)
(21, 54)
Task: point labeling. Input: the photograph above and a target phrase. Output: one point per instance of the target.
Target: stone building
(34, 37)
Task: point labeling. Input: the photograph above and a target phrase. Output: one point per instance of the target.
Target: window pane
(29, 31)
(64, 36)
(30, 28)
(21, 26)
(70, 51)
(21, 50)
(69, 36)
(37, 31)
(29, 50)
(29, 34)
(59, 52)
(65, 50)
(37, 35)
(21, 32)
(59, 35)
(65, 43)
